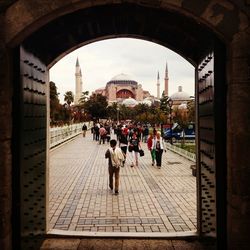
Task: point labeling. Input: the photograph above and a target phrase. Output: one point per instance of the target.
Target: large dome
(180, 95)
(122, 79)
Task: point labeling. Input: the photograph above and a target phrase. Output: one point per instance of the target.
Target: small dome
(130, 102)
(147, 102)
(180, 95)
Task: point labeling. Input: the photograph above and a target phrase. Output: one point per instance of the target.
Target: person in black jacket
(123, 143)
(84, 129)
(134, 146)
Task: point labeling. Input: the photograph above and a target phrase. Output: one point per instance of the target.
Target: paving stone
(60, 244)
(79, 194)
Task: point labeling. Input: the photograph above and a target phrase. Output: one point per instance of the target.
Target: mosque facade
(123, 89)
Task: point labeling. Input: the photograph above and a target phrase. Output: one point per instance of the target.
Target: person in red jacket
(102, 132)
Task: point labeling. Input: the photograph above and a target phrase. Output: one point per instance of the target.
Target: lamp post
(118, 109)
(170, 104)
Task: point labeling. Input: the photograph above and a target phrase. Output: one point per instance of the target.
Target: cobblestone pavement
(150, 199)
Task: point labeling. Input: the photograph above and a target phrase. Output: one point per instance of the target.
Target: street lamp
(170, 104)
(118, 109)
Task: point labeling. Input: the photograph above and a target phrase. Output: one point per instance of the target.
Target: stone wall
(5, 145)
(24, 17)
(238, 142)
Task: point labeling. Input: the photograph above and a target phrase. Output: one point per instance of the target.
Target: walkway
(151, 200)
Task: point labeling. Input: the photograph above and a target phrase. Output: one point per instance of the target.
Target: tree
(54, 101)
(164, 104)
(141, 112)
(181, 117)
(96, 106)
(126, 113)
(191, 110)
(84, 97)
(69, 97)
(112, 111)
(59, 114)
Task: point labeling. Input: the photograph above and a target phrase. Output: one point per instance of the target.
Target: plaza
(150, 200)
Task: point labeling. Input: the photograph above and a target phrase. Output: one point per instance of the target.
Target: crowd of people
(129, 138)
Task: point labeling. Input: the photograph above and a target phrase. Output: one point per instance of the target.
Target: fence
(59, 135)
(182, 152)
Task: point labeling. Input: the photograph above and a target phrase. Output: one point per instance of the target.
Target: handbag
(130, 148)
(141, 152)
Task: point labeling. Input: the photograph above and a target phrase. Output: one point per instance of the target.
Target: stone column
(5, 145)
(238, 137)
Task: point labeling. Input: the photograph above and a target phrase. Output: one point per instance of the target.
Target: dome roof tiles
(180, 95)
(122, 77)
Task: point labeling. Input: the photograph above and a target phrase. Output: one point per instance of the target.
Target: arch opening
(102, 54)
(171, 29)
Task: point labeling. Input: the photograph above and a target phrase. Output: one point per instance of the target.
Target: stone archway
(124, 93)
(187, 30)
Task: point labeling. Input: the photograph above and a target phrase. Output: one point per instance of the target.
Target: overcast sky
(101, 61)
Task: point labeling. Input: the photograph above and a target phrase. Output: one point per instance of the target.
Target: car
(177, 132)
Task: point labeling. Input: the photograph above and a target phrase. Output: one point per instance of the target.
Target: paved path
(150, 199)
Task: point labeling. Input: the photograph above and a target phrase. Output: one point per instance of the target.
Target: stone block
(60, 244)
(106, 244)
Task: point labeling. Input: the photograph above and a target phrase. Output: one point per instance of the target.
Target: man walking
(116, 158)
(84, 129)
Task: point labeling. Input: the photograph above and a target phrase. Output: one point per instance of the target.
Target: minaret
(158, 86)
(166, 80)
(78, 76)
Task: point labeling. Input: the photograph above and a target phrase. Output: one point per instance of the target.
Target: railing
(182, 152)
(59, 135)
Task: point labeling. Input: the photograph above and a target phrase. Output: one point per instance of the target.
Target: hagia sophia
(123, 89)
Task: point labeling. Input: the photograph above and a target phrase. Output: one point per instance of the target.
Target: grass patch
(188, 147)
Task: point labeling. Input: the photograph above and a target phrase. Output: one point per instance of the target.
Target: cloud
(100, 61)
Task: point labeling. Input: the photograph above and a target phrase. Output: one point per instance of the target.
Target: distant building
(122, 87)
(125, 90)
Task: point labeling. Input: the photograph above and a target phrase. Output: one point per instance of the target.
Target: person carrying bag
(134, 145)
(116, 158)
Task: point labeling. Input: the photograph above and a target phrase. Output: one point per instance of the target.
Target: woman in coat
(158, 146)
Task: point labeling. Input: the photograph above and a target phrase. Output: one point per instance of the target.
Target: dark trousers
(97, 136)
(114, 172)
(102, 139)
(124, 151)
(108, 138)
(158, 156)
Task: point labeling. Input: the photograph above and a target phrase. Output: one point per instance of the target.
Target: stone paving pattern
(150, 199)
(126, 244)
